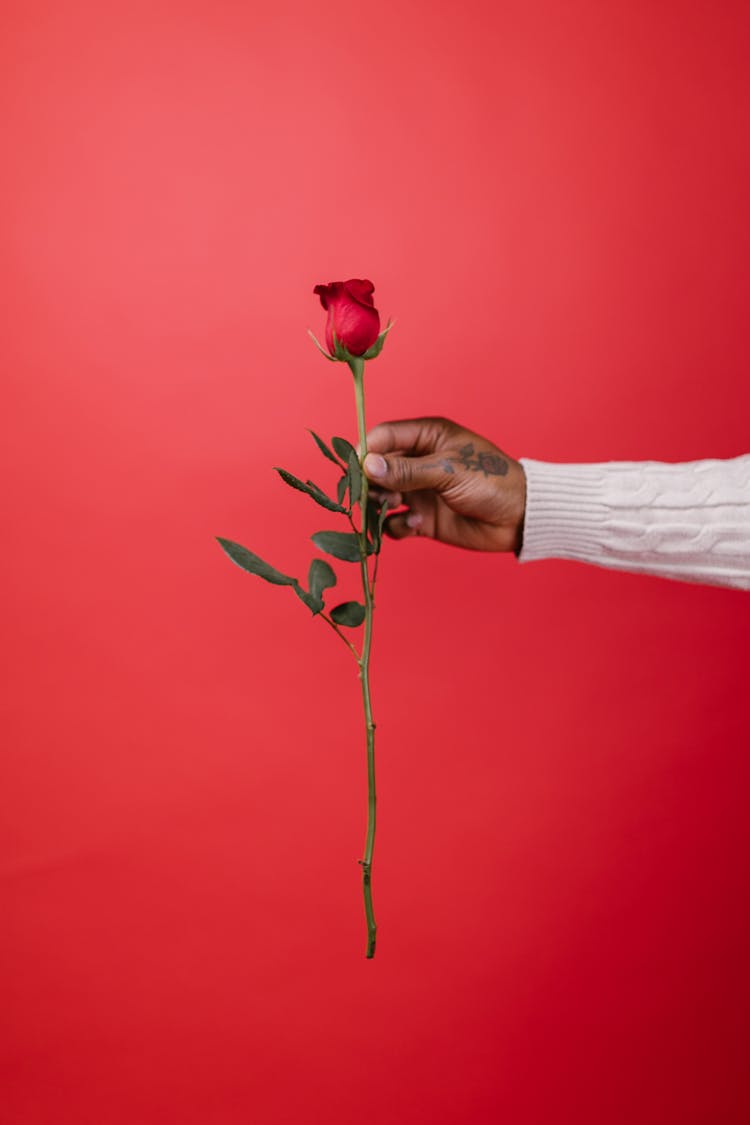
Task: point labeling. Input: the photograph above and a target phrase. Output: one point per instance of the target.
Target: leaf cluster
(341, 545)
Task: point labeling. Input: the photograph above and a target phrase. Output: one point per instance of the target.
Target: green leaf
(323, 498)
(381, 521)
(355, 478)
(372, 522)
(324, 448)
(342, 487)
(377, 347)
(349, 613)
(341, 544)
(375, 520)
(253, 564)
(343, 448)
(311, 489)
(314, 604)
(321, 349)
(320, 577)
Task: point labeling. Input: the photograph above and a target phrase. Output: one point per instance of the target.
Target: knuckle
(439, 427)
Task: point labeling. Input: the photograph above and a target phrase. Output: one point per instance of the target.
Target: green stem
(358, 369)
(336, 629)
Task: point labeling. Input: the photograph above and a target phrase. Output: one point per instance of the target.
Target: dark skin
(457, 486)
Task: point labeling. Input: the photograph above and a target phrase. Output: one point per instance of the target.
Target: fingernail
(414, 519)
(375, 465)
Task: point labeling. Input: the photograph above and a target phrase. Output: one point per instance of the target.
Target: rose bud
(352, 317)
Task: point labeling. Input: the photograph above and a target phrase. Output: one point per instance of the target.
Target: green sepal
(349, 613)
(342, 545)
(340, 351)
(321, 349)
(253, 564)
(311, 489)
(376, 348)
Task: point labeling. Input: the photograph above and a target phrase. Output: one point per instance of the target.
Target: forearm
(687, 521)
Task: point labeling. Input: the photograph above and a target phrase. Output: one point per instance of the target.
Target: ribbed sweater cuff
(565, 511)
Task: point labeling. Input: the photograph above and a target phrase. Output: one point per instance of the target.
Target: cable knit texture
(688, 521)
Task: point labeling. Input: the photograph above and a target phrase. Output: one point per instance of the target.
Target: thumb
(409, 474)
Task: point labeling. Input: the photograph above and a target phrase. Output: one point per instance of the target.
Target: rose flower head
(353, 323)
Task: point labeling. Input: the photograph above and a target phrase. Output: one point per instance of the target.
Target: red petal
(357, 326)
(328, 292)
(361, 291)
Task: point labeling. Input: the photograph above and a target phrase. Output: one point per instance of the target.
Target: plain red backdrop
(551, 198)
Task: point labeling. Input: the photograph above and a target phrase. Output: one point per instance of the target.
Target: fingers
(404, 525)
(408, 474)
(419, 520)
(380, 496)
(412, 436)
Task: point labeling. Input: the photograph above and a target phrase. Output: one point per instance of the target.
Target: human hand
(457, 487)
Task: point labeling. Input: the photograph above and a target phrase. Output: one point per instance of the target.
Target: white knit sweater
(689, 521)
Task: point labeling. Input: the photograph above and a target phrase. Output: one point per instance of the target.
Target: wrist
(519, 518)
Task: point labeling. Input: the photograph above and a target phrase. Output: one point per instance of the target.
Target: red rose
(351, 314)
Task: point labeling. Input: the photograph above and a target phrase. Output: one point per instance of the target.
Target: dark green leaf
(313, 603)
(342, 487)
(343, 448)
(341, 544)
(349, 613)
(324, 448)
(355, 476)
(253, 564)
(311, 489)
(375, 520)
(372, 521)
(381, 521)
(320, 576)
(323, 497)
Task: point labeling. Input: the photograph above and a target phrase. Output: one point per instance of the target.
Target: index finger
(410, 436)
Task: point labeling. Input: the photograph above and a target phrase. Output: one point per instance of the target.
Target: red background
(552, 201)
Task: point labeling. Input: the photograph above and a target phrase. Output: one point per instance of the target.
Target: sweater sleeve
(687, 521)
